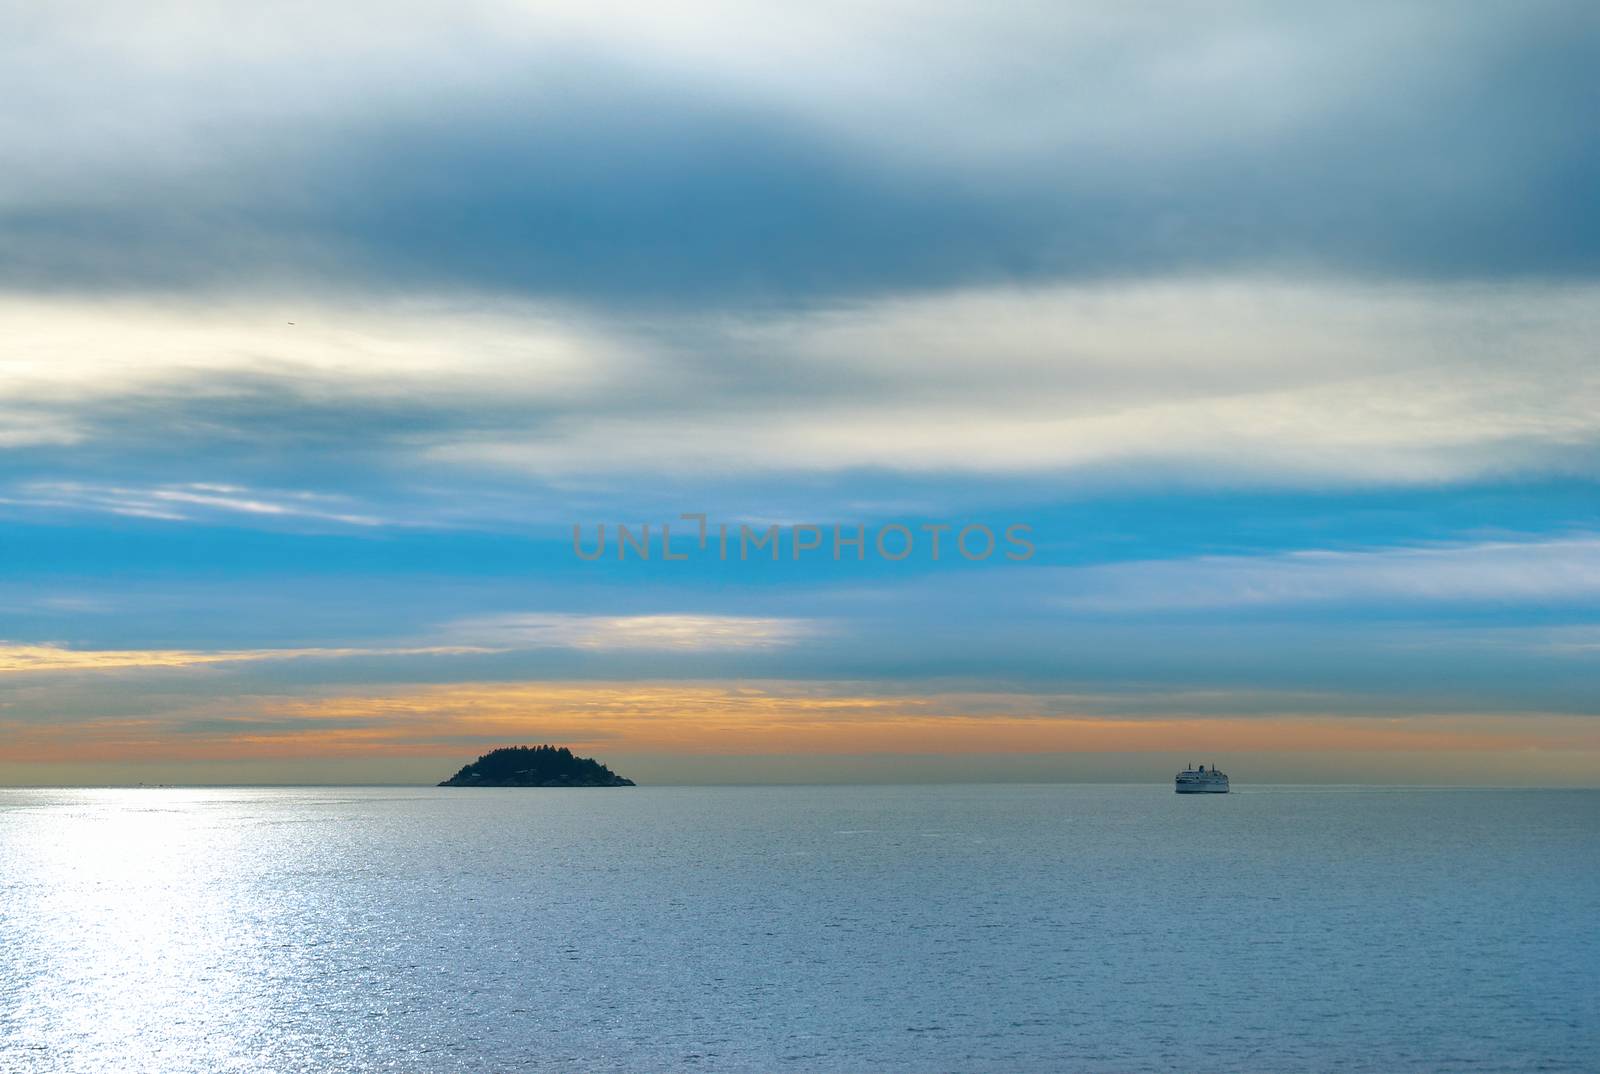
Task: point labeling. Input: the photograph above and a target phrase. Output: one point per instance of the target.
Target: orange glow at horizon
(770, 718)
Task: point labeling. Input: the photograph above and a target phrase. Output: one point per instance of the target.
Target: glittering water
(813, 929)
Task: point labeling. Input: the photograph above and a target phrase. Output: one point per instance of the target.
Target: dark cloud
(1460, 155)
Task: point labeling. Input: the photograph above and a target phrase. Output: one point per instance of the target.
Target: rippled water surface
(811, 929)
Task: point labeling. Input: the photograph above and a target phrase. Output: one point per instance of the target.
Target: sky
(331, 337)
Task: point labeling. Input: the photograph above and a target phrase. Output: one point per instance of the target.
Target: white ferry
(1202, 781)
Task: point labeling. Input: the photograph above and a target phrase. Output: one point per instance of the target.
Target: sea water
(918, 929)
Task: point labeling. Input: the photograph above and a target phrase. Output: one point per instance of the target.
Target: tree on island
(535, 766)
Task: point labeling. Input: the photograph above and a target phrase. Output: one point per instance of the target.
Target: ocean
(909, 928)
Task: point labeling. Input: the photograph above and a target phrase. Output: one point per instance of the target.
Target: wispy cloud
(185, 502)
(697, 633)
(474, 636)
(1551, 571)
(19, 658)
(1224, 381)
(24, 429)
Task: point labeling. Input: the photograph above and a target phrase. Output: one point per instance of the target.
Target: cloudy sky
(321, 329)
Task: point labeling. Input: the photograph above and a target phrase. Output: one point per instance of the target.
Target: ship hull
(1202, 788)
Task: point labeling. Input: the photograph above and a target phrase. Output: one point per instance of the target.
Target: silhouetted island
(535, 766)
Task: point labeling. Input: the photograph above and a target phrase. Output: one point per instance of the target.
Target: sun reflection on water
(143, 938)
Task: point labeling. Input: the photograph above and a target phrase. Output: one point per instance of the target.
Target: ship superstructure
(1202, 780)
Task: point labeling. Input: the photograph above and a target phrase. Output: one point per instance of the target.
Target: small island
(535, 766)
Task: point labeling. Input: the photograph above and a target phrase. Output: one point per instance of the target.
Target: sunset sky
(322, 327)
